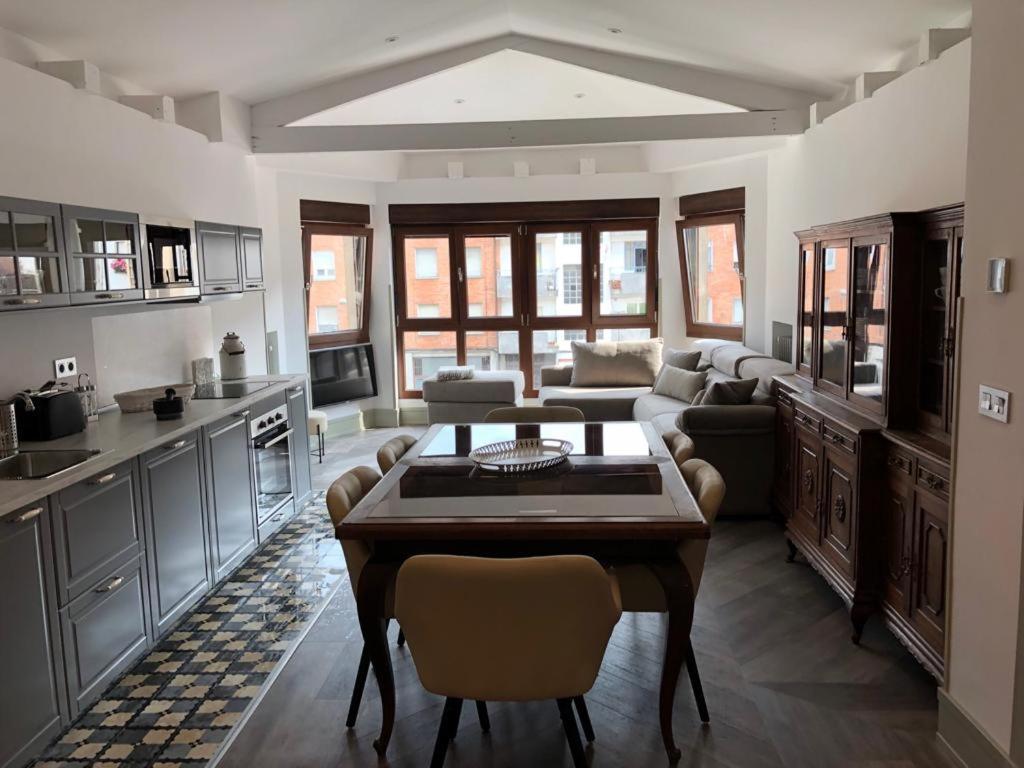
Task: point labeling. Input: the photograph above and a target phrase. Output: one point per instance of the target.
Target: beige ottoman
(468, 401)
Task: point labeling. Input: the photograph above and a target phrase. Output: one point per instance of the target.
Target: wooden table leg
(678, 586)
(371, 604)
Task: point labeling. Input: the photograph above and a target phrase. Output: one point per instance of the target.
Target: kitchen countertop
(123, 436)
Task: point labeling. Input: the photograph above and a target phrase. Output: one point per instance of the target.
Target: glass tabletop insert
(620, 439)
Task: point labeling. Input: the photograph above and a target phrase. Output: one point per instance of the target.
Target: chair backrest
(708, 489)
(537, 414)
(342, 497)
(680, 445)
(393, 450)
(506, 629)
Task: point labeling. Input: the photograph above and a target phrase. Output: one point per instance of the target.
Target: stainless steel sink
(33, 465)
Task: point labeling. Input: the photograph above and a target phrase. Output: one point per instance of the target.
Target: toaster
(56, 413)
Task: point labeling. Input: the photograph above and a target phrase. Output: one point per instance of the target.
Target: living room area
(612, 385)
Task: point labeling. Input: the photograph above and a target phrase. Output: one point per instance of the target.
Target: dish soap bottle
(232, 357)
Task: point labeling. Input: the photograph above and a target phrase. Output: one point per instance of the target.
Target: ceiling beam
(718, 86)
(528, 133)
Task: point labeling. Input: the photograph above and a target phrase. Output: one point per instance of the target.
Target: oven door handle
(275, 441)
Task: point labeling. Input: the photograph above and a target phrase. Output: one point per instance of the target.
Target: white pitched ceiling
(504, 86)
(260, 49)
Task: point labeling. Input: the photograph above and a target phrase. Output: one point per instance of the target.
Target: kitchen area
(149, 465)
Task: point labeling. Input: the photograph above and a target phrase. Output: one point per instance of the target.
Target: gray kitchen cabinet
(231, 506)
(31, 698)
(103, 255)
(302, 484)
(251, 240)
(33, 273)
(220, 258)
(96, 529)
(105, 630)
(174, 520)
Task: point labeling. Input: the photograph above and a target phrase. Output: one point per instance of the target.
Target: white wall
(67, 146)
(989, 484)
(904, 149)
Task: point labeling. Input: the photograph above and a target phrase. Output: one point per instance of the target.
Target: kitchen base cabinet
(232, 507)
(105, 631)
(298, 418)
(176, 531)
(31, 692)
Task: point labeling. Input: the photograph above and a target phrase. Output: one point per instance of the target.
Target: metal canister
(87, 395)
(8, 430)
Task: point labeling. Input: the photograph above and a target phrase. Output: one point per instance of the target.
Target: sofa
(467, 401)
(739, 440)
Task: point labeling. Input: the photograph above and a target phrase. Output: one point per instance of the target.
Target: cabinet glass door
(934, 325)
(103, 255)
(31, 255)
(805, 346)
(835, 305)
(870, 321)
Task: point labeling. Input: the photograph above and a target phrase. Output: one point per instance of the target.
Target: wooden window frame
(524, 319)
(337, 338)
(694, 328)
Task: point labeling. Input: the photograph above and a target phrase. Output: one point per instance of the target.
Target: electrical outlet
(994, 403)
(65, 367)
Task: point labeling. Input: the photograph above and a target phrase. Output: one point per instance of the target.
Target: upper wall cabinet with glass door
(338, 259)
(103, 255)
(711, 263)
(32, 269)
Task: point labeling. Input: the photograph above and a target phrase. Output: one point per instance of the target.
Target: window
(572, 284)
(706, 290)
(326, 319)
(474, 261)
(830, 260)
(426, 263)
(526, 292)
(337, 268)
(323, 265)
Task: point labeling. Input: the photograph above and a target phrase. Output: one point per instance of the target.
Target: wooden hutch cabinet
(863, 427)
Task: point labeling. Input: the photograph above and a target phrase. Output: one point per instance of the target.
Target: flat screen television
(342, 374)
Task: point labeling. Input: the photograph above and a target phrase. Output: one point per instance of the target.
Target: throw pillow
(681, 358)
(680, 384)
(730, 392)
(615, 363)
(699, 397)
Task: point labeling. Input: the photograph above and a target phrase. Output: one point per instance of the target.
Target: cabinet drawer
(192, 438)
(96, 528)
(899, 462)
(104, 631)
(933, 477)
(784, 396)
(839, 437)
(806, 419)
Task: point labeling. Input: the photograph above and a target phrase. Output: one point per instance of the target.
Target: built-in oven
(271, 449)
(170, 264)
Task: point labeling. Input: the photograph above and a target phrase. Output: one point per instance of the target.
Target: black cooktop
(227, 390)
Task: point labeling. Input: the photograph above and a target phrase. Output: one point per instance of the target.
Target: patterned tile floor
(180, 701)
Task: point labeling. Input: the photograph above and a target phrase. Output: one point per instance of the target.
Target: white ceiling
(504, 86)
(259, 49)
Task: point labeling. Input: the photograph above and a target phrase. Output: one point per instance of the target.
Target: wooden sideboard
(863, 428)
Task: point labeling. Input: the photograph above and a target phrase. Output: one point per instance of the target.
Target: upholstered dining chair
(524, 629)
(640, 590)
(394, 449)
(343, 495)
(680, 445)
(536, 414)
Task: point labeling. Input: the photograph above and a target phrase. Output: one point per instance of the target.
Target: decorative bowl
(524, 455)
(141, 400)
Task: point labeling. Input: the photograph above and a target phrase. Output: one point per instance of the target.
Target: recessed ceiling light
(460, 101)
(391, 39)
(578, 95)
(615, 30)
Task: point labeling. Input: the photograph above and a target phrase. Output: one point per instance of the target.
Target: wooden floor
(784, 685)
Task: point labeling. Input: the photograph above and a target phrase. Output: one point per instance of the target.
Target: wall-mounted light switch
(994, 403)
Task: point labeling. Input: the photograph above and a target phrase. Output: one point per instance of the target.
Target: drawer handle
(836, 438)
(175, 446)
(933, 481)
(22, 302)
(219, 288)
(103, 479)
(804, 419)
(111, 585)
(252, 285)
(29, 514)
(240, 414)
(109, 296)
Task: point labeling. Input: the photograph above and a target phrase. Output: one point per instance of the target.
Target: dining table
(618, 497)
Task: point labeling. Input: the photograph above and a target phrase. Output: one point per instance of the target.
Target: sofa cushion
(699, 397)
(730, 392)
(680, 384)
(763, 368)
(727, 358)
(649, 406)
(484, 387)
(666, 422)
(707, 347)
(615, 363)
(687, 359)
(597, 403)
